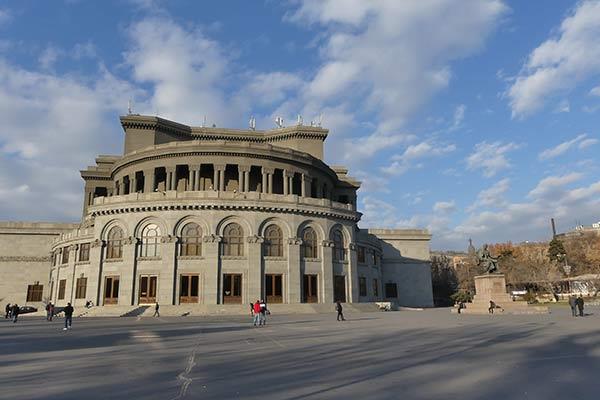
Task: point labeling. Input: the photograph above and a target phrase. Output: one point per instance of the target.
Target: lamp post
(567, 270)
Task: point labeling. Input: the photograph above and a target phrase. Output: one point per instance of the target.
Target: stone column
(353, 295)
(305, 185)
(243, 177)
(94, 289)
(167, 279)
(170, 178)
(197, 178)
(215, 182)
(127, 280)
(264, 180)
(294, 289)
(132, 183)
(255, 283)
(219, 183)
(148, 180)
(210, 251)
(286, 183)
(191, 183)
(269, 172)
(70, 294)
(247, 180)
(327, 272)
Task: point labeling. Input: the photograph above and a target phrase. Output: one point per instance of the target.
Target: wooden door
(188, 288)
(148, 285)
(274, 288)
(111, 290)
(310, 289)
(339, 288)
(232, 289)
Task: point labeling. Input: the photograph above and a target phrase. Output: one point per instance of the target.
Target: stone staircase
(224, 309)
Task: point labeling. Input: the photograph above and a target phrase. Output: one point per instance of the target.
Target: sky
(472, 119)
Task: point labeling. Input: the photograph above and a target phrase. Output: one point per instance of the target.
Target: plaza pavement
(429, 354)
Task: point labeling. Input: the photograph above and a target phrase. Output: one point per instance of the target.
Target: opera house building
(214, 216)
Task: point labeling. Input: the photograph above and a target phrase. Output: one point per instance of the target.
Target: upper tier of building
(162, 155)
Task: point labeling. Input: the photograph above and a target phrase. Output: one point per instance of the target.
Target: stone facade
(215, 216)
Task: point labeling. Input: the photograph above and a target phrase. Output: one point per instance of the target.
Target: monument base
(492, 287)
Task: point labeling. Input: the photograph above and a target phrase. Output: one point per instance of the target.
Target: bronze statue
(485, 259)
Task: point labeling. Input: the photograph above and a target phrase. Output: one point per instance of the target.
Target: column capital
(267, 170)
(168, 239)
(244, 168)
(219, 167)
(212, 238)
(352, 246)
(194, 167)
(98, 243)
(288, 174)
(294, 241)
(255, 239)
(170, 169)
(327, 243)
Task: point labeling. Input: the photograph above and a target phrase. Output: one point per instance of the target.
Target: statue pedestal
(493, 287)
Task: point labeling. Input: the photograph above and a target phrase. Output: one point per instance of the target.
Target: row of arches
(233, 236)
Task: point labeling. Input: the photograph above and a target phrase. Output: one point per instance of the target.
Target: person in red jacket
(257, 313)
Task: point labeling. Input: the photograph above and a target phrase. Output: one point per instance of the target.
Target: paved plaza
(428, 354)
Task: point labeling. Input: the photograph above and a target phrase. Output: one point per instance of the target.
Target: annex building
(214, 216)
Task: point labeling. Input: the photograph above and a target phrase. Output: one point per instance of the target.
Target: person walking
(156, 313)
(339, 309)
(15, 312)
(573, 305)
(263, 313)
(256, 312)
(580, 305)
(49, 311)
(68, 316)
(8, 309)
(492, 307)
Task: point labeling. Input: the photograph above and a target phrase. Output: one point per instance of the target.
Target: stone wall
(25, 258)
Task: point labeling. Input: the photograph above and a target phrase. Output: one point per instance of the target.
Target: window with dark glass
(362, 286)
(391, 290)
(339, 251)
(62, 285)
(65, 255)
(114, 245)
(34, 292)
(84, 252)
(361, 254)
(233, 240)
(191, 240)
(150, 241)
(80, 288)
(273, 241)
(309, 243)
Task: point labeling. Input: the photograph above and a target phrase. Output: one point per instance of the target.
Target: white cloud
(492, 196)
(560, 63)
(595, 91)
(548, 187)
(49, 57)
(490, 157)
(403, 162)
(563, 107)
(579, 141)
(5, 17)
(587, 143)
(185, 69)
(75, 119)
(444, 207)
(459, 116)
(364, 39)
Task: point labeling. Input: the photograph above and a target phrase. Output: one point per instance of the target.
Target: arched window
(339, 251)
(233, 240)
(150, 240)
(114, 245)
(191, 240)
(309, 243)
(273, 241)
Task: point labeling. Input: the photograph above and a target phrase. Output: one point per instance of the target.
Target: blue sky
(471, 118)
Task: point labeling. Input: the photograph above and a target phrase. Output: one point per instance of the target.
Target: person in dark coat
(49, 311)
(156, 313)
(573, 305)
(15, 312)
(8, 310)
(580, 305)
(339, 309)
(68, 316)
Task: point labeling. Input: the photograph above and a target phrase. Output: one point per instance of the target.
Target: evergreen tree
(556, 250)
